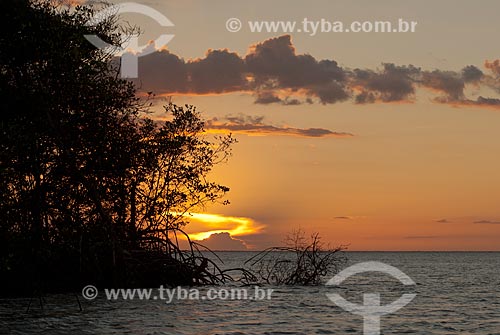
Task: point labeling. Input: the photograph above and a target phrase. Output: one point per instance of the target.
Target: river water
(456, 293)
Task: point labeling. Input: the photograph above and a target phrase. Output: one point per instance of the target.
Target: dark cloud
(451, 84)
(223, 242)
(275, 59)
(329, 93)
(220, 71)
(163, 72)
(487, 101)
(267, 98)
(254, 125)
(482, 102)
(393, 83)
(486, 222)
(274, 63)
(365, 98)
(274, 73)
(443, 221)
(342, 218)
(471, 74)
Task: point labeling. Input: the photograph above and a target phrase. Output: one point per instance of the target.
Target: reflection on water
(457, 293)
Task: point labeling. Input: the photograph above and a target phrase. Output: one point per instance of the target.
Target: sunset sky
(401, 156)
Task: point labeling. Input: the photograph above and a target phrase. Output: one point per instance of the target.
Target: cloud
(220, 71)
(223, 242)
(480, 101)
(274, 73)
(487, 101)
(275, 64)
(267, 97)
(163, 72)
(471, 74)
(493, 80)
(254, 125)
(493, 66)
(448, 83)
(342, 218)
(392, 83)
(486, 222)
(443, 221)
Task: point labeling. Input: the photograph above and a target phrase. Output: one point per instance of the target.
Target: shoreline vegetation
(93, 190)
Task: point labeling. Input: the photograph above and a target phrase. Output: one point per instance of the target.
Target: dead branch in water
(300, 262)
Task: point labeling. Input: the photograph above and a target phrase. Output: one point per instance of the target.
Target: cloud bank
(486, 222)
(274, 73)
(443, 221)
(254, 125)
(223, 242)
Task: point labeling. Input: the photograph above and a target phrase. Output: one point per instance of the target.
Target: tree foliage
(87, 180)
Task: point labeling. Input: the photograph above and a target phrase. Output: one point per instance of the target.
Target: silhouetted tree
(85, 177)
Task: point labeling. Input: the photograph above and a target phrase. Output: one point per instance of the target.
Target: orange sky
(416, 174)
(414, 177)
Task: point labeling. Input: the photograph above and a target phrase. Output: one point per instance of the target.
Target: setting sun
(203, 225)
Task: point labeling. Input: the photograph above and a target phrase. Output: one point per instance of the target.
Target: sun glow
(203, 225)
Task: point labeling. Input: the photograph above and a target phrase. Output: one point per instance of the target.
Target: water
(457, 293)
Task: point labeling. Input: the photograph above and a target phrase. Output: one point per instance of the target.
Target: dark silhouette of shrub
(91, 189)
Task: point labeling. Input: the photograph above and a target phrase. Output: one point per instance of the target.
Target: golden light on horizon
(202, 225)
